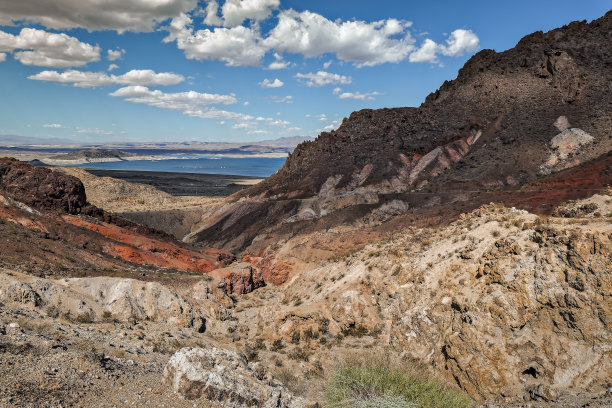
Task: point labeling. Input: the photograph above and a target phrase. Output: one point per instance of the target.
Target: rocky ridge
(507, 120)
(53, 207)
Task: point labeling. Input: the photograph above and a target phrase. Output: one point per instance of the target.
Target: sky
(97, 71)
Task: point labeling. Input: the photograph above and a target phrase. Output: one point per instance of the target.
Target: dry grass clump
(378, 386)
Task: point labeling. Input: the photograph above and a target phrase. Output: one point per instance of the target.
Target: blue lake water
(247, 166)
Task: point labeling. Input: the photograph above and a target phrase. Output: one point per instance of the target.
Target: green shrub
(352, 386)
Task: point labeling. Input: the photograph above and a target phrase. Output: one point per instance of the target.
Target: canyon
(468, 240)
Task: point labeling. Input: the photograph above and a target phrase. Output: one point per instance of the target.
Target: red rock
(273, 270)
(134, 247)
(240, 278)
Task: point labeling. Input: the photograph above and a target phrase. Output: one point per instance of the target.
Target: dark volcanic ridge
(182, 184)
(508, 123)
(95, 154)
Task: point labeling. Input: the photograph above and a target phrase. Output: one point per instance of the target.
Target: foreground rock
(101, 298)
(226, 377)
(505, 304)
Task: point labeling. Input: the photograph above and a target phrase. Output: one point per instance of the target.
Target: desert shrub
(309, 334)
(52, 311)
(387, 401)
(300, 354)
(355, 330)
(396, 270)
(352, 386)
(323, 325)
(250, 352)
(277, 345)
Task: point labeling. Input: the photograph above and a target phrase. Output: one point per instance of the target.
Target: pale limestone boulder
(225, 377)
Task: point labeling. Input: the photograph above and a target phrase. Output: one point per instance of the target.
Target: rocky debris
(226, 377)
(41, 188)
(579, 211)
(48, 361)
(596, 206)
(239, 278)
(100, 299)
(506, 304)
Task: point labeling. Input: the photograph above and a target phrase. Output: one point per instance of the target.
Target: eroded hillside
(507, 121)
(504, 304)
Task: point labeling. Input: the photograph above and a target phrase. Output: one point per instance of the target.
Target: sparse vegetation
(371, 386)
(355, 330)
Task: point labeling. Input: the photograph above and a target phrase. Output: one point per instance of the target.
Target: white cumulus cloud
(212, 19)
(120, 15)
(45, 49)
(112, 66)
(368, 96)
(461, 42)
(84, 79)
(235, 12)
(279, 62)
(266, 83)
(458, 43)
(365, 44)
(427, 52)
(187, 102)
(2, 56)
(236, 46)
(322, 78)
(54, 126)
(114, 55)
(306, 33)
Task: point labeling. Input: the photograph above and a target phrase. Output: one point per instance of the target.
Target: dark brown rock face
(41, 188)
(492, 128)
(513, 97)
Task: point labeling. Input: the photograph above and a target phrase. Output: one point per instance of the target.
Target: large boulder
(226, 377)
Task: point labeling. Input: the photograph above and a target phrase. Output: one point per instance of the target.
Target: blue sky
(239, 70)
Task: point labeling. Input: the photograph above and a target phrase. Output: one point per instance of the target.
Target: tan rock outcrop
(225, 377)
(504, 303)
(100, 298)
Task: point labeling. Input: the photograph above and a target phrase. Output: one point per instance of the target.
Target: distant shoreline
(183, 184)
(48, 157)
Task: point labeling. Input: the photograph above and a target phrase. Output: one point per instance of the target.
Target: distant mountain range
(281, 145)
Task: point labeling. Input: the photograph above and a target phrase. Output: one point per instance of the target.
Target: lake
(244, 166)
